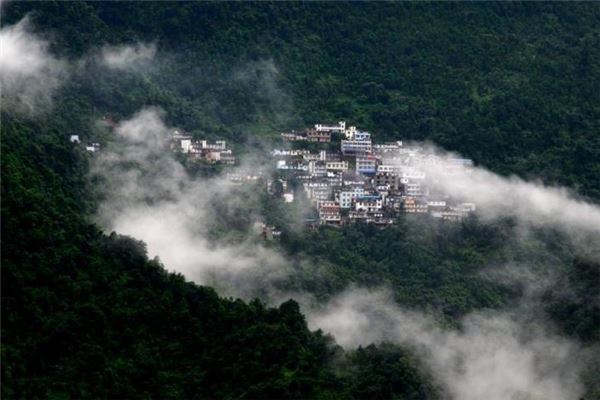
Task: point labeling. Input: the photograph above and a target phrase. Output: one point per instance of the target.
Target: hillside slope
(509, 84)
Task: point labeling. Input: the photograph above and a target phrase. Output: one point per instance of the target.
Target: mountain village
(357, 181)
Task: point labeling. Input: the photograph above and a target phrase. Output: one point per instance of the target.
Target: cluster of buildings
(90, 147)
(365, 181)
(212, 153)
(358, 181)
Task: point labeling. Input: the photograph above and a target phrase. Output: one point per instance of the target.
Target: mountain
(89, 314)
(509, 84)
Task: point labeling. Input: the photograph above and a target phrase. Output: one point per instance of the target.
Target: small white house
(288, 197)
(186, 145)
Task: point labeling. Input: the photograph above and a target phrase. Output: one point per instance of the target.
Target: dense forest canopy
(514, 86)
(510, 84)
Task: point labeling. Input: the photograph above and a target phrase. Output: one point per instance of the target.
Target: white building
(317, 168)
(368, 203)
(317, 191)
(319, 194)
(283, 165)
(411, 173)
(353, 134)
(340, 127)
(94, 147)
(350, 132)
(218, 145)
(186, 145)
(277, 153)
(387, 147)
(346, 197)
(353, 147)
(311, 156)
(337, 166)
(436, 204)
(413, 189)
(288, 197)
(366, 165)
(389, 168)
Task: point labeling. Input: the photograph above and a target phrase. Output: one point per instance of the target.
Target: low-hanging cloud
(493, 356)
(29, 73)
(150, 196)
(128, 57)
(532, 205)
(495, 196)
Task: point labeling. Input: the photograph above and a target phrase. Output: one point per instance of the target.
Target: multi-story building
(386, 179)
(329, 212)
(317, 191)
(393, 203)
(362, 136)
(321, 136)
(295, 166)
(366, 165)
(451, 215)
(354, 147)
(368, 203)
(292, 137)
(375, 217)
(412, 189)
(346, 197)
(415, 205)
(291, 153)
(389, 169)
(387, 148)
(358, 216)
(317, 168)
(412, 173)
(341, 166)
(227, 157)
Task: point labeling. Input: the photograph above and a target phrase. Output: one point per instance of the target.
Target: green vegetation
(511, 85)
(87, 315)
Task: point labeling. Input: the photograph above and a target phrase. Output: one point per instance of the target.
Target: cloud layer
(532, 205)
(494, 355)
(128, 57)
(496, 196)
(29, 73)
(151, 197)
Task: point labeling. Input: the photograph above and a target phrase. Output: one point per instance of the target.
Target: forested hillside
(88, 315)
(513, 86)
(510, 84)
